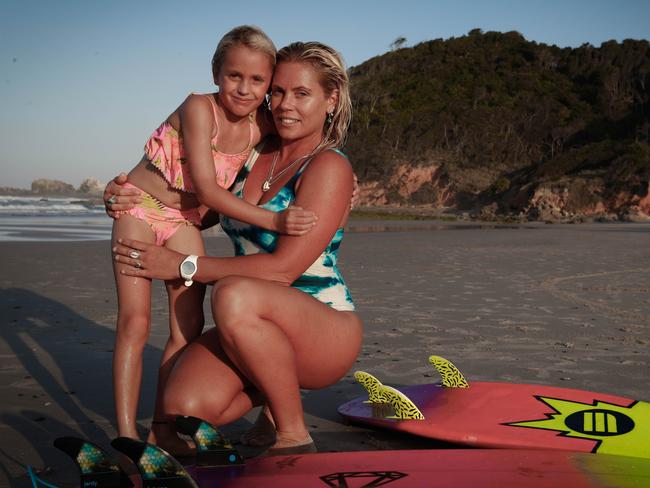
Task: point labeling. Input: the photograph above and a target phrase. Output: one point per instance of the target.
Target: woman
(284, 317)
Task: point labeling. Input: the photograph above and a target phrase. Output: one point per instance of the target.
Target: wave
(37, 206)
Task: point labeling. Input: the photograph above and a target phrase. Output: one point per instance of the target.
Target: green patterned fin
(213, 449)
(451, 376)
(372, 386)
(95, 466)
(404, 408)
(157, 467)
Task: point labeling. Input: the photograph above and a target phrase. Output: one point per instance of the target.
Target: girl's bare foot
(262, 433)
(164, 435)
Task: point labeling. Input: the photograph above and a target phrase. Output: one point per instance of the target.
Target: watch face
(188, 267)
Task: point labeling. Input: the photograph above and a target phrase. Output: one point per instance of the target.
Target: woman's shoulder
(330, 163)
(332, 157)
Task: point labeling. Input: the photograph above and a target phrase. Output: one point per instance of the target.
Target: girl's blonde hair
(329, 65)
(245, 35)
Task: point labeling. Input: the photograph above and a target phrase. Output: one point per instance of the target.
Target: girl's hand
(356, 193)
(147, 260)
(117, 198)
(294, 221)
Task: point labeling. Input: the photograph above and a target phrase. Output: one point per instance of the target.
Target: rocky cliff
(494, 125)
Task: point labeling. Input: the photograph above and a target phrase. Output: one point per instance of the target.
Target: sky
(84, 83)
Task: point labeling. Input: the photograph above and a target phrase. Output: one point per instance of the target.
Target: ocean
(58, 219)
(52, 219)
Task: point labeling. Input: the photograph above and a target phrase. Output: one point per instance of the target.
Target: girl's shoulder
(199, 102)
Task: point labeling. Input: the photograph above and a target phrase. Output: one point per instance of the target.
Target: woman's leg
(205, 383)
(132, 331)
(186, 322)
(280, 338)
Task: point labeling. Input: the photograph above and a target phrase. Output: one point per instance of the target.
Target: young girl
(191, 160)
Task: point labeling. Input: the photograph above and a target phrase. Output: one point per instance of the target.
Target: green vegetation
(499, 112)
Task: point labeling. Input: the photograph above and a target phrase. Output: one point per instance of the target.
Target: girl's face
(244, 80)
(299, 102)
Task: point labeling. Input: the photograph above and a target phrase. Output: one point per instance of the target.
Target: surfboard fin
(373, 387)
(212, 448)
(404, 408)
(95, 467)
(157, 467)
(451, 376)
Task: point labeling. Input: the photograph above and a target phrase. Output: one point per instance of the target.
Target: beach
(564, 305)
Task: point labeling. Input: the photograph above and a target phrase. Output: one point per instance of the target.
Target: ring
(111, 200)
(134, 254)
(138, 265)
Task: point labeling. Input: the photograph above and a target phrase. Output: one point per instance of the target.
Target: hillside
(493, 123)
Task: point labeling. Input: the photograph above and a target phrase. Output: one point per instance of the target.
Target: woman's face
(243, 80)
(298, 101)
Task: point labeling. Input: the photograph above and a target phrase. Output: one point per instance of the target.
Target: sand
(565, 305)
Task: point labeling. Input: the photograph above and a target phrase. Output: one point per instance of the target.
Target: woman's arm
(325, 187)
(196, 125)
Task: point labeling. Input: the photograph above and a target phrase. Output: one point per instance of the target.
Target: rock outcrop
(52, 187)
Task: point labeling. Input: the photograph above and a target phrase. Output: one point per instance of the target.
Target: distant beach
(565, 305)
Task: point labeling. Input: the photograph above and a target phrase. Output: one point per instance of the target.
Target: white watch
(188, 269)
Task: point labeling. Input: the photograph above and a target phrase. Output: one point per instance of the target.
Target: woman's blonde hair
(244, 35)
(329, 65)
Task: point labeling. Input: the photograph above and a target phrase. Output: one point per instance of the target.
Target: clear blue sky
(83, 83)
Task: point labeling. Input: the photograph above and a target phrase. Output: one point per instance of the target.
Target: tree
(398, 43)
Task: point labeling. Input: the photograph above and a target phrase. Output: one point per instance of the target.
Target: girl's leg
(132, 331)
(280, 339)
(185, 324)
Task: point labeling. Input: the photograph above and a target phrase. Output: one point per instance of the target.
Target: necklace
(270, 179)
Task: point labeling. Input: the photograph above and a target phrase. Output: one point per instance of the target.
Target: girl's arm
(325, 187)
(196, 126)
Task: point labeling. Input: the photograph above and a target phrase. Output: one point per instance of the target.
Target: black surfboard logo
(599, 422)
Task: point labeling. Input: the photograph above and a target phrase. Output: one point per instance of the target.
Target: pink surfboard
(511, 415)
(456, 468)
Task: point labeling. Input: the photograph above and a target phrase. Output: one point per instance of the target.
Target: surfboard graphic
(95, 466)
(506, 415)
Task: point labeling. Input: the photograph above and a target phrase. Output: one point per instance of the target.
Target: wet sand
(565, 305)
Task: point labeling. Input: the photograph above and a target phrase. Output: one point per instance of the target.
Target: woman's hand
(118, 198)
(147, 260)
(294, 221)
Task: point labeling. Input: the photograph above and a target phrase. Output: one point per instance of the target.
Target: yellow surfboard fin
(373, 387)
(404, 408)
(451, 376)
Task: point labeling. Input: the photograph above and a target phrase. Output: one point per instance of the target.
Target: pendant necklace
(270, 179)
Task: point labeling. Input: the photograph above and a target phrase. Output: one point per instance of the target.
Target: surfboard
(505, 415)
(490, 468)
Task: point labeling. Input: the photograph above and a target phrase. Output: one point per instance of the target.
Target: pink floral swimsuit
(164, 149)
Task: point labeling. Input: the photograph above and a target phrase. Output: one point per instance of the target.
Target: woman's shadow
(58, 381)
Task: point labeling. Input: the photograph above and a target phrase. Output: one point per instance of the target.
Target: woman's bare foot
(291, 443)
(262, 433)
(164, 435)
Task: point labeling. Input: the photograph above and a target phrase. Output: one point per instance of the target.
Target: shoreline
(563, 305)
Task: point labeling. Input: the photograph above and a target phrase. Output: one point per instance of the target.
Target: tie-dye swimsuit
(322, 279)
(165, 152)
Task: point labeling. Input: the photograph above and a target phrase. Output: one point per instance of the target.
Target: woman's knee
(233, 300)
(187, 398)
